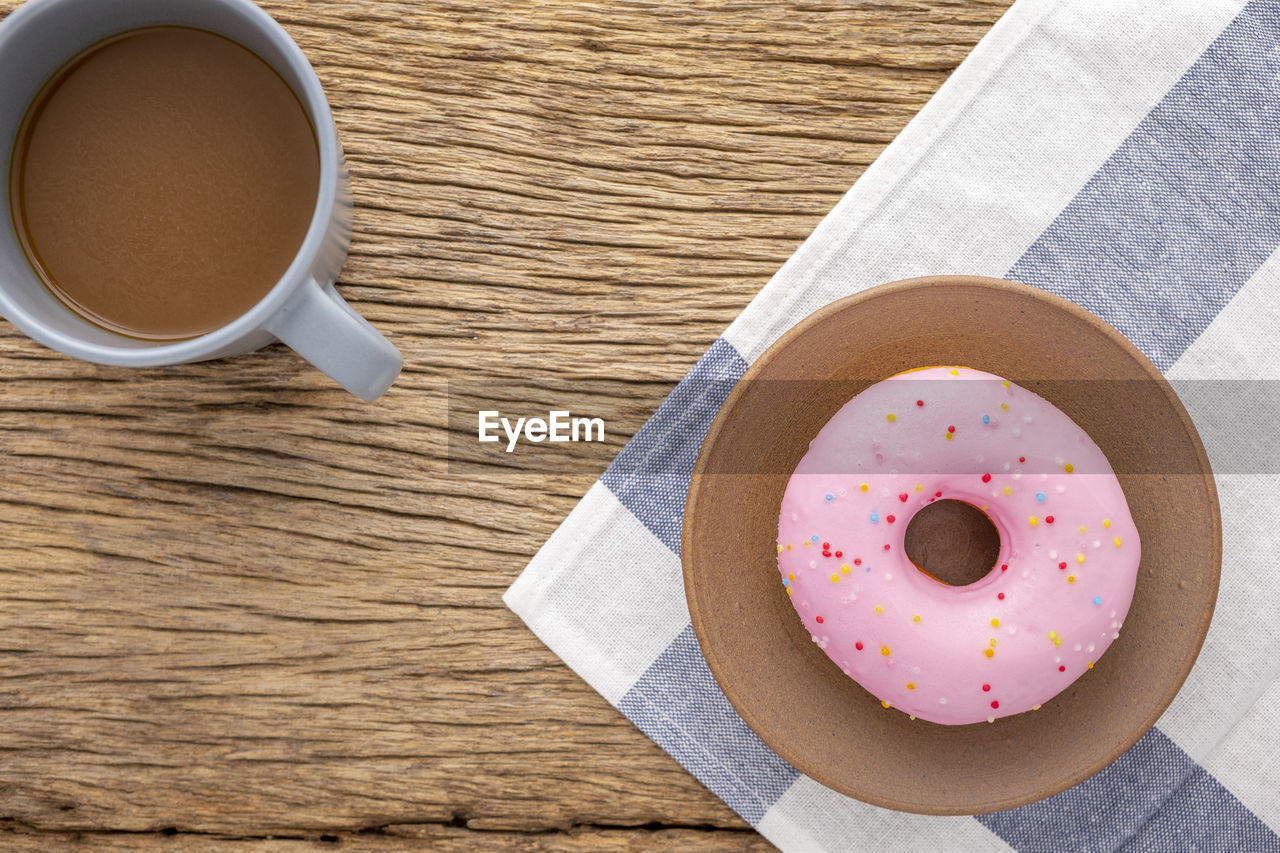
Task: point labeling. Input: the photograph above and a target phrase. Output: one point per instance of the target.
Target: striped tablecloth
(1124, 154)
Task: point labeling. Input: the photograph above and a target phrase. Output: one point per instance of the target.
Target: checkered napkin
(1124, 154)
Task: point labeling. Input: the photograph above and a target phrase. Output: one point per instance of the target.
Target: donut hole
(953, 541)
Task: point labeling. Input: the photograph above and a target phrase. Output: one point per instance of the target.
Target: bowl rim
(823, 315)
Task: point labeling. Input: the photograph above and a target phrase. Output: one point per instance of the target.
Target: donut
(1052, 603)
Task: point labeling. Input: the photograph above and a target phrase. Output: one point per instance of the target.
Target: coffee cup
(302, 309)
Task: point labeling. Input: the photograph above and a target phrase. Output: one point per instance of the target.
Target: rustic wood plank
(400, 839)
(237, 603)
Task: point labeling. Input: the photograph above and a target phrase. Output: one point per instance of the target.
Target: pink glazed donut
(1049, 608)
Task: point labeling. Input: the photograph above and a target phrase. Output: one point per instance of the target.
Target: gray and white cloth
(1124, 154)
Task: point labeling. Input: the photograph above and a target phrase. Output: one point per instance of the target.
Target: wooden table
(242, 608)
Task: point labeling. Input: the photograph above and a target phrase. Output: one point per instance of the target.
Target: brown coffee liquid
(163, 181)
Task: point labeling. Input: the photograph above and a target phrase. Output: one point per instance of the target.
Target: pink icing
(1052, 604)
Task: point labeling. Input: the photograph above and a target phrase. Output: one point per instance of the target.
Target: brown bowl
(794, 697)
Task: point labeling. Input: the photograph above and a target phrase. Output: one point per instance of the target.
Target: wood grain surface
(241, 610)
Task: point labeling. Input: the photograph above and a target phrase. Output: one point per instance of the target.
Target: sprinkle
(1097, 599)
(919, 402)
(1035, 707)
(839, 554)
(993, 642)
(1117, 541)
(1006, 383)
(814, 539)
(916, 619)
(955, 372)
(1062, 669)
(875, 518)
(986, 420)
(886, 546)
(791, 576)
(1048, 519)
(858, 645)
(949, 436)
(1089, 665)
(807, 543)
(826, 546)
(790, 590)
(986, 478)
(788, 547)
(835, 578)
(995, 703)
(857, 561)
(879, 609)
(919, 488)
(845, 568)
(864, 487)
(942, 701)
(884, 650)
(890, 519)
(1040, 497)
(1000, 596)
(1106, 522)
(891, 417)
(1062, 566)
(1004, 567)
(1008, 490)
(830, 497)
(1022, 459)
(1079, 558)
(1068, 467)
(986, 688)
(819, 620)
(995, 623)
(885, 703)
(951, 428)
(989, 652)
(786, 582)
(1071, 578)
(1084, 529)
(911, 685)
(1004, 406)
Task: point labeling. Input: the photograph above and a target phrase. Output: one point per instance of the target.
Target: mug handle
(318, 324)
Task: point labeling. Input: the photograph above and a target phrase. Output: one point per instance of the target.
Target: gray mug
(303, 309)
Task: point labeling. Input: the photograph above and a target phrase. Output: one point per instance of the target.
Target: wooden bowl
(794, 697)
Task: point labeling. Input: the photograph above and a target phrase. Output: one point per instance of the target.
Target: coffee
(163, 181)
